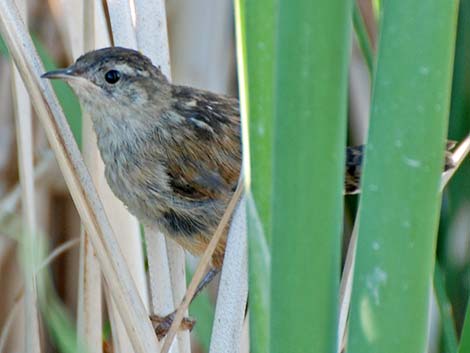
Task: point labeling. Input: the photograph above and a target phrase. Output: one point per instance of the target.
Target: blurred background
(202, 52)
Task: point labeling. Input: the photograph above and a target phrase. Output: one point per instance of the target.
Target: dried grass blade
(90, 308)
(166, 258)
(120, 14)
(233, 288)
(23, 115)
(127, 228)
(78, 180)
(202, 267)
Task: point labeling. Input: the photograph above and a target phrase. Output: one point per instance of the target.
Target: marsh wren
(172, 154)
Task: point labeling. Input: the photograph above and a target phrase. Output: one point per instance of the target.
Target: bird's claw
(162, 324)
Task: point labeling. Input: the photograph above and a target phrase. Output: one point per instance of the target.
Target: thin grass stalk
(401, 193)
(23, 114)
(202, 267)
(77, 178)
(233, 288)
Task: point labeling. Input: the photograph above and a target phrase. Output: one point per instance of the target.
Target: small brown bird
(172, 153)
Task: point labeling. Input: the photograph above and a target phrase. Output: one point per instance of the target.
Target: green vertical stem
(400, 200)
(312, 55)
(255, 48)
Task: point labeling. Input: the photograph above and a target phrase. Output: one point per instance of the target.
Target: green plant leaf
(312, 55)
(255, 39)
(400, 200)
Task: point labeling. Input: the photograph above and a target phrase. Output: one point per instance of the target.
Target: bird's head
(109, 80)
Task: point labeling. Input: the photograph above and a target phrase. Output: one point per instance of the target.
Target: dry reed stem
(202, 267)
(152, 34)
(153, 42)
(78, 180)
(70, 25)
(233, 288)
(177, 264)
(167, 272)
(23, 115)
(125, 225)
(245, 339)
(159, 275)
(204, 57)
(458, 156)
(120, 14)
(89, 308)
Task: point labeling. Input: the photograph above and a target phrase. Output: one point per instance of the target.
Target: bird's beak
(62, 74)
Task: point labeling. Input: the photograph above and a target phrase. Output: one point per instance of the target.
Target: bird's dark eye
(112, 76)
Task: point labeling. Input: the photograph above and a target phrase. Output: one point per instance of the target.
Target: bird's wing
(205, 159)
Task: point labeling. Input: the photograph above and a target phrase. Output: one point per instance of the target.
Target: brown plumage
(172, 153)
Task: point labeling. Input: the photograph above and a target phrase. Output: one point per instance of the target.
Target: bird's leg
(205, 281)
(162, 324)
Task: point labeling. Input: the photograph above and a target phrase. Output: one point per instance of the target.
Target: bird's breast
(129, 171)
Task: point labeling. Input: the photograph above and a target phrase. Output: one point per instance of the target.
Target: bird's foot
(162, 324)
